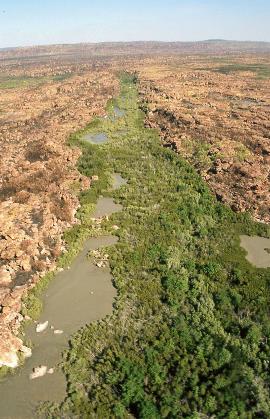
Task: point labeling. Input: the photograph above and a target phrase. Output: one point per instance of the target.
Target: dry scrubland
(212, 109)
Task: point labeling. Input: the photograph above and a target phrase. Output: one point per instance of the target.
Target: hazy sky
(30, 22)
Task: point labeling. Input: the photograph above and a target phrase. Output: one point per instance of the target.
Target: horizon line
(133, 42)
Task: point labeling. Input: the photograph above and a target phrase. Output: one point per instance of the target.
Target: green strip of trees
(189, 334)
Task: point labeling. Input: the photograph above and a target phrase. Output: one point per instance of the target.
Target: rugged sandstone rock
(219, 122)
(27, 352)
(42, 326)
(39, 182)
(10, 345)
(38, 372)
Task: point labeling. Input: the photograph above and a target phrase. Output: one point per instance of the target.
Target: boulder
(27, 352)
(42, 326)
(58, 332)
(5, 277)
(38, 372)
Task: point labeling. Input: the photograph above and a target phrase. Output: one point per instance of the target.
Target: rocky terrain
(84, 51)
(39, 181)
(213, 109)
(215, 112)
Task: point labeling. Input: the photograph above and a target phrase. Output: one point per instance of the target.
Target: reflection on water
(118, 112)
(99, 138)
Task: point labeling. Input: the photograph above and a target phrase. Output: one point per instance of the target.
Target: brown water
(106, 206)
(77, 296)
(258, 250)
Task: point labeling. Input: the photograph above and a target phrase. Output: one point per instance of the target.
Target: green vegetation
(15, 82)
(199, 153)
(61, 77)
(262, 70)
(189, 335)
(242, 152)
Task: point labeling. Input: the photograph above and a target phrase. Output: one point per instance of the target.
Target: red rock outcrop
(38, 175)
(219, 122)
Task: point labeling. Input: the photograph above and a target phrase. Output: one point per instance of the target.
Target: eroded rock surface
(40, 183)
(217, 116)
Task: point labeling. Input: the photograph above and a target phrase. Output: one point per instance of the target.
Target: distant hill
(211, 46)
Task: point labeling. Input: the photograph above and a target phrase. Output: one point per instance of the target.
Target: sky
(37, 22)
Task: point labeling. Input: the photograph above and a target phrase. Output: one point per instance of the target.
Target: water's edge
(79, 295)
